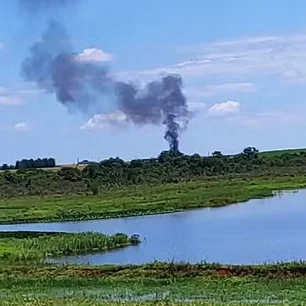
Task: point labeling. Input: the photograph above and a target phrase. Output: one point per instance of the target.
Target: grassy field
(141, 200)
(29, 246)
(166, 283)
(277, 153)
(57, 168)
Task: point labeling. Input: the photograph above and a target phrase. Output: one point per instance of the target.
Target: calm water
(266, 230)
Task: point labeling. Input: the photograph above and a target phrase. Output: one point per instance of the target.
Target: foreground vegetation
(36, 283)
(152, 271)
(144, 285)
(71, 302)
(29, 246)
(140, 200)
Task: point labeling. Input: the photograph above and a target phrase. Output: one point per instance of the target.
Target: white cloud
(102, 120)
(217, 89)
(228, 107)
(266, 55)
(8, 98)
(94, 55)
(21, 127)
(18, 94)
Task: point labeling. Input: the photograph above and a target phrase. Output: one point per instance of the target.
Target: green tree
(217, 154)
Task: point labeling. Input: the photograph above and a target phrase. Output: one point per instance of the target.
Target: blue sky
(243, 64)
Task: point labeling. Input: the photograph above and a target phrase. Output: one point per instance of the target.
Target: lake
(264, 230)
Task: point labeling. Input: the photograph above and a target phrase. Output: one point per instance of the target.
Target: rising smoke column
(55, 67)
(161, 102)
(172, 132)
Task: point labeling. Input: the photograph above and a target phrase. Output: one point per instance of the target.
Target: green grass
(155, 270)
(84, 302)
(277, 153)
(142, 200)
(145, 283)
(16, 246)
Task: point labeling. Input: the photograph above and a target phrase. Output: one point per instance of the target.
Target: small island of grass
(31, 246)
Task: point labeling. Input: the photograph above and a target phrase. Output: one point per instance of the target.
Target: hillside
(281, 152)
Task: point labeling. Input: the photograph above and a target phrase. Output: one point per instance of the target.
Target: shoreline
(174, 198)
(157, 270)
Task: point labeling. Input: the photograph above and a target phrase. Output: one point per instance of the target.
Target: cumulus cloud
(266, 55)
(21, 127)
(94, 55)
(223, 108)
(103, 120)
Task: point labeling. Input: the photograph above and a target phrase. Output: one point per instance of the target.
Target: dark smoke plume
(54, 67)
(161, 102)
(172, 132)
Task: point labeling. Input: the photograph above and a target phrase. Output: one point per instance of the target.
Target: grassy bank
(70, 302)
(29, 246)
(65, 286)
(155, 270)
(142, 200)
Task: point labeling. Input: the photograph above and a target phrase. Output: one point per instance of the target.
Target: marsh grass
(155, 270)
(25, 246)
(143, 285)
(71, 302)
(202, 291)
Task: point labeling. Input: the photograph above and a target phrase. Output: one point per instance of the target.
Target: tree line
(168, 167)
(30, 164)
